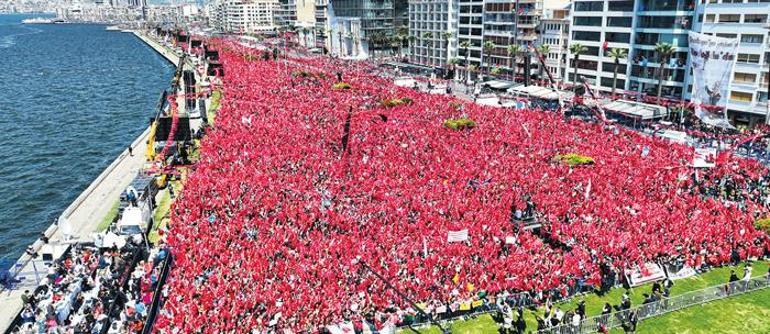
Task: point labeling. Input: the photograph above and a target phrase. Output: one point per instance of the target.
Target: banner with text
(713, 59)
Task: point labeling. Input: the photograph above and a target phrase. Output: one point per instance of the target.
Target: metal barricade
(666, 305)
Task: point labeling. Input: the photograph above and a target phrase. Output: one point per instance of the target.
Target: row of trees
(664, 53)
(380, 40)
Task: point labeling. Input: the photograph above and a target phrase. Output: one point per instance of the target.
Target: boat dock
(79, 221)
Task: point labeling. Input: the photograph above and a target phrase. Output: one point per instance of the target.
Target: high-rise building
(238, 16)
(286, 13)
(600, 26)
(501, 23)
(433, 27)
(377, 16)
(748, 22)
(554, 32)
(638, 26)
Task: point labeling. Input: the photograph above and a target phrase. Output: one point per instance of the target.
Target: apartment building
(237, 16)
(377, 16)
(470, 29)
(554, 32)
(592, 23)
(505, 23)
(433, 26)
(746, 20)
(286, 13)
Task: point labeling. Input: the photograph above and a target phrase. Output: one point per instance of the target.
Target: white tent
(637, 110)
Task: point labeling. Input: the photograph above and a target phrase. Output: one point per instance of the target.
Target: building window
(587, 21)
(751, 39)
(586, 36)
(746, 78)
(729, 18)
(755, 18)
(740, 97)
(589, 6)
(621, 6)
(710, 18)
(748, 58)
(619, 22)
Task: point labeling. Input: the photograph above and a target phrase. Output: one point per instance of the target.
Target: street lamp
(358, 260)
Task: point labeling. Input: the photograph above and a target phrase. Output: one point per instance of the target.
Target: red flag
(605, 46)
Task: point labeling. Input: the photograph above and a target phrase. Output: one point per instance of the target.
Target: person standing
(130, 151)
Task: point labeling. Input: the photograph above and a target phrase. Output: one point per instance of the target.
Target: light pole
(402, 295)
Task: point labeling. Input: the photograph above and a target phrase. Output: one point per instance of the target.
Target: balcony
(527, 37)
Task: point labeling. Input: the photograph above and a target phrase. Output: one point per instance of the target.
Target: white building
(747, 21)
(554, 32)
(244, 16)
(592, 23)
(433, 27)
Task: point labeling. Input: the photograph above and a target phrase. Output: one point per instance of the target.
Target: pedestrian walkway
(83, 216)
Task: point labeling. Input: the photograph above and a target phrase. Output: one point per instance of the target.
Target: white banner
(652, 273)
(457, 236)
(705, 157)
(713, 60)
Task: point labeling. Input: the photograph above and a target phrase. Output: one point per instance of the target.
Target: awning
(641, 111)
(499, 84)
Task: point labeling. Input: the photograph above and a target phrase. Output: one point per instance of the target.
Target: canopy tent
(539, 92)
(635, 110)
(498, 84)
(404, 82)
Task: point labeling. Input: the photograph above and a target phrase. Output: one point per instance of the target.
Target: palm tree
(447, 36)
(543, 50)
(576, 49)
(305, 32)
(453, 65)
(411, 39)
(513, 53)
(429, 36)
(465, 45)
(664, 51)
(617, 55)
(496, 71)
(488, 46)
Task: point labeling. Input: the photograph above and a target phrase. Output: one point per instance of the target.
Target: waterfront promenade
(82, 216)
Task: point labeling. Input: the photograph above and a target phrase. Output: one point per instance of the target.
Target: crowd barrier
(158, 295)
(663, 306)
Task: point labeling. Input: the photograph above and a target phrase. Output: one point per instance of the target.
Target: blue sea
(72, 97)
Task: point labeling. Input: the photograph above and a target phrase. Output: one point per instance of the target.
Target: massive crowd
(305, 187)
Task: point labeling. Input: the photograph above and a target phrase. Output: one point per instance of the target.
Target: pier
(79, 221)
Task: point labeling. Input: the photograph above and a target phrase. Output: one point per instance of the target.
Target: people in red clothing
(273, 228)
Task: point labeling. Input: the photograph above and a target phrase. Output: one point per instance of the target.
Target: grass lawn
(160, 214)
(744, 314)
(211, 113)
(594, 304)
(108, 218)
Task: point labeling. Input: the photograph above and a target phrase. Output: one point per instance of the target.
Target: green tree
(464, 45)
(664, 51)
(513, 52)
(543, 50)
(429, 36)
(616, 54)
(487, 47)
(576, 49)
(447, 36)
(412, 39)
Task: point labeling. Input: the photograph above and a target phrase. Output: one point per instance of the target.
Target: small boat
(40, 20)
(113, 28)
(37, 20)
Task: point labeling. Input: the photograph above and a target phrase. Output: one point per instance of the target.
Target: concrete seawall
(81, 218)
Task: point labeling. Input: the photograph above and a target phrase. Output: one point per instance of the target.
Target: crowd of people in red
(303, 186)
